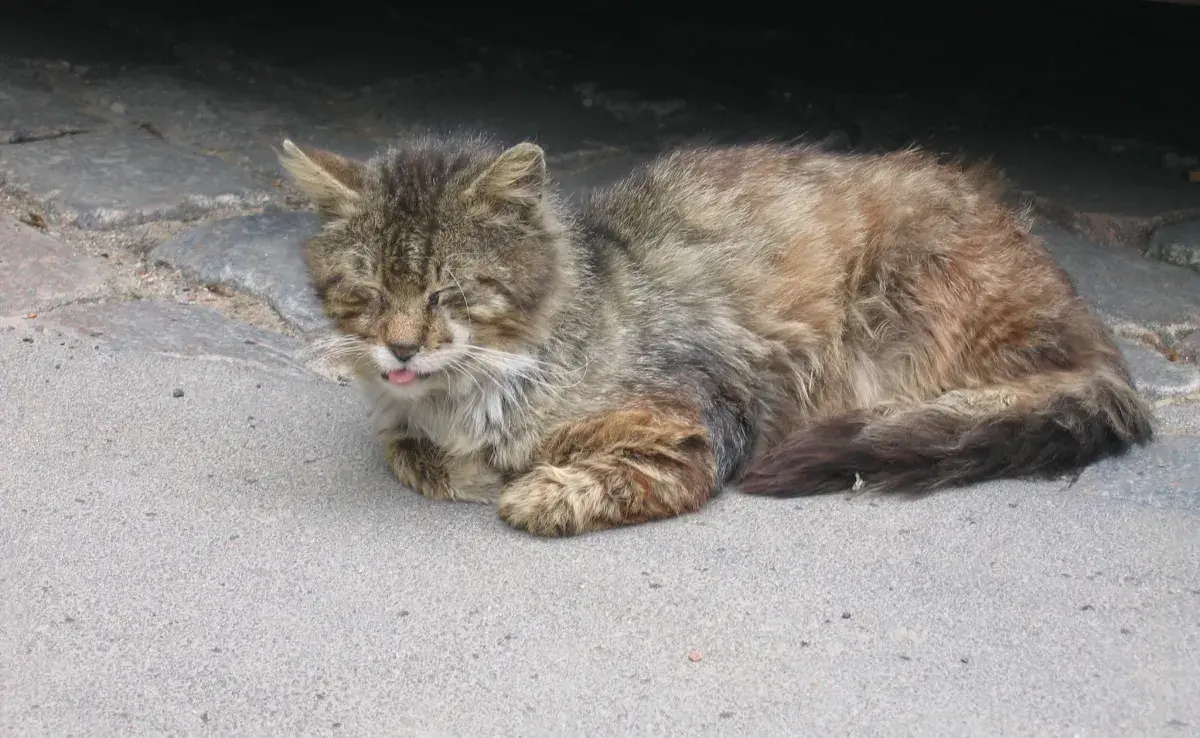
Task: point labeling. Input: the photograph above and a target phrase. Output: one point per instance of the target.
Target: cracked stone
(115, 178)
(1156, 376)
(1178, 243)
(260, 254)
(28, 115)
(1164, 474)
(1137, 297)
(38, 272)
(190, 331)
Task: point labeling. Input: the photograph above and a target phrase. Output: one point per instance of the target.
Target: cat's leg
(629, 465)
(422, 466)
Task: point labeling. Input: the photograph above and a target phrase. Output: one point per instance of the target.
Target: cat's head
(435, 257)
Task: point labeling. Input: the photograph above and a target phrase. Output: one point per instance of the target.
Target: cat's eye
(435, 298)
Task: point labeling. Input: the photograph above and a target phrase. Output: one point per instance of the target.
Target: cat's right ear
(333, 183)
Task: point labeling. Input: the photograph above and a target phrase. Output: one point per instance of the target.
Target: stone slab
(122, 177)
(38, 272)
(1156, 376)
(238, 124)
(173, 329)
(1115, 198)
(1164, 474)
(32, 114)
(259, 254)
(1135, 294)
(1178, 244)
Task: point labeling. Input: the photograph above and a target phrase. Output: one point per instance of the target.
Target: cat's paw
(421, 466)
(555, 501)
(433, 489)
(418, 466)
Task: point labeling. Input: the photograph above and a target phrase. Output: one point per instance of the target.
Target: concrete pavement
(237, 561)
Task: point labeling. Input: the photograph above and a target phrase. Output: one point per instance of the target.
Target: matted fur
(772, 315)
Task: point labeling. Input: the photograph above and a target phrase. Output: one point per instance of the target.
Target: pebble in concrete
(260, 254)
(114, 178)
(38, 272)
(173, 329)
(1177, 244)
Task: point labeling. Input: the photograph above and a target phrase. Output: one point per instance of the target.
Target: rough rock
(38, 272)
(1138, 297)
(1156, 376)
(1163, 474)
(1178, 243)
(121, 177)
(174, 329)
(259, 254)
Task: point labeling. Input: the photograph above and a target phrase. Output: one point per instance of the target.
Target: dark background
(1121, 69)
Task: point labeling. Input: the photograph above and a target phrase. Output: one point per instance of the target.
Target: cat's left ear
(333, 183)
(517, 176)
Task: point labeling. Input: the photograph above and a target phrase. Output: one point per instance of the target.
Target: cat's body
(808, 318)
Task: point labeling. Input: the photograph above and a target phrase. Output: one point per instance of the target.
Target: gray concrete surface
(237, 561)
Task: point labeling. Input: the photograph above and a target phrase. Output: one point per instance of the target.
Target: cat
(774, 317)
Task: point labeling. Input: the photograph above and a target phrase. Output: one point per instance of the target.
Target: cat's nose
(404, 351)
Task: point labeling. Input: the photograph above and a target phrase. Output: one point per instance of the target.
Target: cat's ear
(517, 176)
(333, 183)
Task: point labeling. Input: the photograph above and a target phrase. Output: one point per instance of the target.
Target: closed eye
(354, 303)
(473, 293)
(450, 297)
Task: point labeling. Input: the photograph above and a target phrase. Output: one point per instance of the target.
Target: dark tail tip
(934, 448)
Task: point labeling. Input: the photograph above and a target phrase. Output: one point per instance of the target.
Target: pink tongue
(401, 376)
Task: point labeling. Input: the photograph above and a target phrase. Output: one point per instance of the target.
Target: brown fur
(786, 318)
(623, 466)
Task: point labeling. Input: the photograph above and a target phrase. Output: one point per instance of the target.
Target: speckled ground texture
(198, 535)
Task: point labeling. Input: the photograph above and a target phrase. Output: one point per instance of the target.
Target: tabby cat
(778, 317)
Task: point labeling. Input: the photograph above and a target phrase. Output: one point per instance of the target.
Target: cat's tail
(1044, 426)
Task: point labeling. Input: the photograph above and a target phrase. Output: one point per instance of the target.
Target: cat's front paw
(556, 501)
(421, 466)
(418, 465)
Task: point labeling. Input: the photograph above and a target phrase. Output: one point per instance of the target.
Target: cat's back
(756, 202)
(696, 194)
